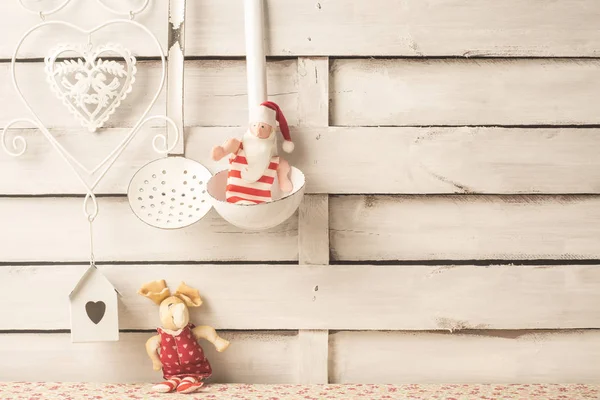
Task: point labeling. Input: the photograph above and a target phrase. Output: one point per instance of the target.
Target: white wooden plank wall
(450, 227)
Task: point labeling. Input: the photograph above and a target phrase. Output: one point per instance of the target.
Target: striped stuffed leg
(167, 386)
(189, 385)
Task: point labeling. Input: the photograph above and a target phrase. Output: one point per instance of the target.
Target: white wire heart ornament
(91, 88)
(91, 177)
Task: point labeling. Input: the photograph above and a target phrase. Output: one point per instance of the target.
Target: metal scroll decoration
(92, 88)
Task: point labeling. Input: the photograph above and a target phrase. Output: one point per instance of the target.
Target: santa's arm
(152, 346)
(208, 333)
(230, 146)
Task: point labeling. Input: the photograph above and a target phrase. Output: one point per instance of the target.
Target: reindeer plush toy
(175, 349)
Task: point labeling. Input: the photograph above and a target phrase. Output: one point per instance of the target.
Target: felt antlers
(157, 291)
(190, 296)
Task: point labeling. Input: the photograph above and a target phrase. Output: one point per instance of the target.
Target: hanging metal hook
(91, 216)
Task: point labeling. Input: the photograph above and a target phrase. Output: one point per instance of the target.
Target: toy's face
(261, 130)
(174, 314)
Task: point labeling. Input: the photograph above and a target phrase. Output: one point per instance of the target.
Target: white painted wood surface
(266, 357)
(348, 297)
(406, 92)
(375, 357)
(313, 230)
(215, 94)
(363, 92)
(54, 114)
(377, 148)
(458, 227)
(354, 27)
(15, 22)
(313, 216)
(313, 353)
(313, 92)
(216, 91)
(478, 356)
(413, 160)
(408, 27)
(54, 229)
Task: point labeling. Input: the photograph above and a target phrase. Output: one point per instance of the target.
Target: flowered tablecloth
(90, 391)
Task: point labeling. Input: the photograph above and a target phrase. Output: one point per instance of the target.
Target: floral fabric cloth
(91, 391)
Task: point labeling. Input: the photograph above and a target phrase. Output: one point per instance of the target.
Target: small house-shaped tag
(94, 309)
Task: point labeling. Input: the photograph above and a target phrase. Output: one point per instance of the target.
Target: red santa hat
(270, 113)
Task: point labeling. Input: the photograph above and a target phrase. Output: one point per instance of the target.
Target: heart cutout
(95, 311)
(91, 88)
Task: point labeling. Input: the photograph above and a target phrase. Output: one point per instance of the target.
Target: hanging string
(91, 217)
(92, 257)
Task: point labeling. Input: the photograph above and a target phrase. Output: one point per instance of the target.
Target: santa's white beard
(258, 155)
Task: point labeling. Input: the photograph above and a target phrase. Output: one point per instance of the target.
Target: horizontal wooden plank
(327, 297)
(433, 160)
(253, 357)
(216, 90)
(32, 81)
(412, 160)
(354, 27)
(405, 92)
(457, 227)
(409, 28)
(215, 94)
(15, 21)
(55, 229)
(484, 356)
(365, 357)
(41, 171)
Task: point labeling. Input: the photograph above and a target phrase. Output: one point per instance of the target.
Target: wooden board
(373, 92)
(328, 297)
(216, 90)
(362, 92)
(409, 28)
(374, 357)
(215, 94)
(368, 228)
(433, 160)
(355, 27)
(480, 356)
(266, 357)
(15, 21)
(412, 160)
(32, 81)
(313, 348)
(55, 229)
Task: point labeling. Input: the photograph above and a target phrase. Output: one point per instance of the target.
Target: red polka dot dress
(181, 355)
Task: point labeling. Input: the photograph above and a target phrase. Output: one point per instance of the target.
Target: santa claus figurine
(254, 163)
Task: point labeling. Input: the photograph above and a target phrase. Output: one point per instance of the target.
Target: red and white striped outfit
(241, 192)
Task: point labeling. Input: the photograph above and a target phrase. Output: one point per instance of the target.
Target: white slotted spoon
(170, 193)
